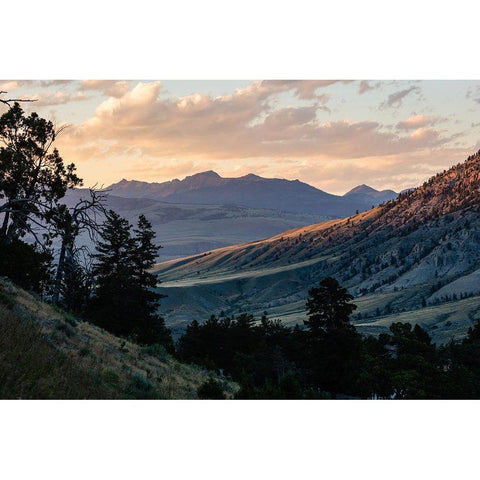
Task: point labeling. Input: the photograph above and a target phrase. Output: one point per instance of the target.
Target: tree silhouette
(125, 302)
(67, 223)
(32, 176)
(329, 307)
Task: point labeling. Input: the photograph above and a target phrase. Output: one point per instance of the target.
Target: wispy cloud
(419, 121)
(111, 88)
(395, 100)
(366, 86)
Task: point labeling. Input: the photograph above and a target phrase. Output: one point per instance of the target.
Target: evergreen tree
(125, 302)
(329, 307)
(114, 307)
(151, 327)
(333, 343)
(76, 286)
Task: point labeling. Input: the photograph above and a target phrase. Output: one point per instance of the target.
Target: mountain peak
(207, 174)
(251, 176)
(361, 189)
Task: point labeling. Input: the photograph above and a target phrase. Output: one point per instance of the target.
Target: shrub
(6, 300)
(84, 351)
(158, 351)
(66, 328)
(141, 388)
(210, 390)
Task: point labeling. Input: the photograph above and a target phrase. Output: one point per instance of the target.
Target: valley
(416, 257)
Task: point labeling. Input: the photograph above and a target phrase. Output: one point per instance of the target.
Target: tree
(67, 223)
(77, 282)
(329, 307)
(27, 265)
(125, 302)
(334, 344)
(32, 176)
(113, 306)
(151, 326)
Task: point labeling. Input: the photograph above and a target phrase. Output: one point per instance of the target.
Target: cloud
(57, 98)
(243, 125)
(111, 88)
(395, 100)
(303, 89)
(53, 83)
(8, 85)
(474, 93)
(39, 83)
(365, 86)
(419, 121)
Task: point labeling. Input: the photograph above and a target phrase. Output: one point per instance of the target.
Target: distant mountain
(136, 189)
(415, 258)
(364, 193)
(209, 188)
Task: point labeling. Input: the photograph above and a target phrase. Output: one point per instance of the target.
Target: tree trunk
(59, 274)
(3, 231)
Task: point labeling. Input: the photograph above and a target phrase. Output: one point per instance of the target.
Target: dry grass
(108, 366)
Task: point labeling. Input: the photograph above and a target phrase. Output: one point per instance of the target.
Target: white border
(238, 40)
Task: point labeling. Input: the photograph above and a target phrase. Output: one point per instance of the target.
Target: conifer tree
(113, 306)
(125, 302)
(329, 307)
(151, 327)
(334, 343)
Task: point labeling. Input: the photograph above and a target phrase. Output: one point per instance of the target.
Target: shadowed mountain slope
(421, 250)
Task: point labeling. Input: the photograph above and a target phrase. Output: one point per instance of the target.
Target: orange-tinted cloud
(419, 121)
(57, 98)
(111, 88)
(240, 125)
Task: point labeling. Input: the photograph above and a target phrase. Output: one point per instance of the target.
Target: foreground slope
(420, 250)
(46, 353)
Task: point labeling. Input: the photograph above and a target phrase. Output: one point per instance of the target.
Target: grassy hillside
(420, 250)
(47, 353)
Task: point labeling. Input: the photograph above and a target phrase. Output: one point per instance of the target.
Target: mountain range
(209, 188)
(415, 258)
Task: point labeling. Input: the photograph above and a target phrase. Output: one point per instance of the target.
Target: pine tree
(329, 307)
(334, 344)
(114, 306)
(125, 301)
(151, 327)
(76, 286)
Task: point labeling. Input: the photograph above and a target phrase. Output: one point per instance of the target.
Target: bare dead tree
(67, 223)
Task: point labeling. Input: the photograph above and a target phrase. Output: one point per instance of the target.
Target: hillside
(419, 250)
(47, 353)
(209, 188)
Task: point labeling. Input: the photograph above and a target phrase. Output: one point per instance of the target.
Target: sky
(328, 133)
